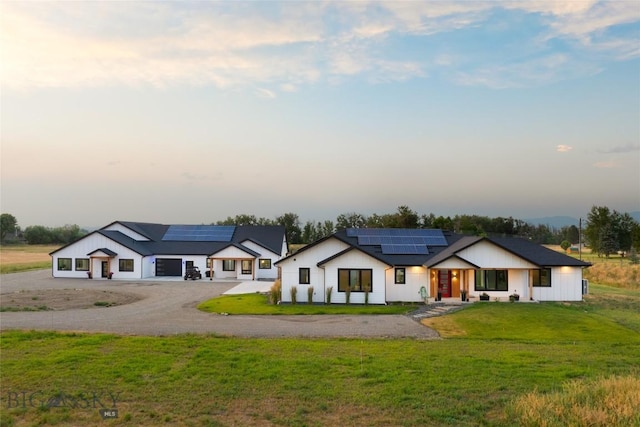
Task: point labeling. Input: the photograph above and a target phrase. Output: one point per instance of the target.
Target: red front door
(444, 283)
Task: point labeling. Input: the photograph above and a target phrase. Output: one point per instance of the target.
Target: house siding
(89, 244)
(566, 285)
(264, 273)
(357, 260)
(416, 277)
(487, 255)
(309, 259)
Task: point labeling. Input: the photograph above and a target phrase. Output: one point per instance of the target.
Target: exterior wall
(518, 282)
(309, 259)
(487, 255)
(127, 232)
(566, 285)
(263, 273)
(89, 244)
(416, 277)
(236, 254)
(357, 260)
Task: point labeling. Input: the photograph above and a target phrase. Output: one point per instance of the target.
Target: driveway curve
(168, 307)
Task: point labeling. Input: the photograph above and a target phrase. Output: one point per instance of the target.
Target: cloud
(563, 148)
(291, 44)
(265, 93)
(628, 148)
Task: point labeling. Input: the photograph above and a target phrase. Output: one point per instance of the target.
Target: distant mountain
(563, 221)
(554, 221)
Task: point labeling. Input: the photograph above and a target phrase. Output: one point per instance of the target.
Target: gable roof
(266, 236)
(532, 252)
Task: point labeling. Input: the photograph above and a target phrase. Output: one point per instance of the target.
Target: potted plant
(110, 276)
(484, 296)
(89, 275)
(514, 297)
(463, 295)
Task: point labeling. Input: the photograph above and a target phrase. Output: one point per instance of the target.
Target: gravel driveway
(168, 307)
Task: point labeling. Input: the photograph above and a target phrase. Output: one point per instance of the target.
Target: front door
(444, 283)
(105, 269)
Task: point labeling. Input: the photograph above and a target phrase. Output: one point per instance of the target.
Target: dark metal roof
(269, 237)
(105, 251)
(537, 254)
(532, 252)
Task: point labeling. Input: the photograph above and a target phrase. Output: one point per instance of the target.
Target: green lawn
(507, 351)
(258, 304)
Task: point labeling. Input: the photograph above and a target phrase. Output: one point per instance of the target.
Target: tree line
(38, 234)
(620, 231)
(605, 231)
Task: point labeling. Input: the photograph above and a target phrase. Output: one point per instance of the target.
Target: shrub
(366, 297)
(329, 290)
(347, 294)
(310, 294)
(294, 293)
(275, 292)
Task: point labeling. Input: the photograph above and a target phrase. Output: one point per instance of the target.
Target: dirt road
(166, 307)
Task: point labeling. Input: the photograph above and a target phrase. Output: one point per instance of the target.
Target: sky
(188, 113)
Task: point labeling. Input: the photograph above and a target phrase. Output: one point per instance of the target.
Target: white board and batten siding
(89, 244)
(357, 260)
(566, 285)
(289, 270)
(415, 278)
(487, 255)
(263, 273)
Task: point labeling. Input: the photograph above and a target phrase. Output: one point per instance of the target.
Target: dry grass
(618, 274)
(603, 402)
(24, 254)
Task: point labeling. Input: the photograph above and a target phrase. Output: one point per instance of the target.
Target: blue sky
(180, 112)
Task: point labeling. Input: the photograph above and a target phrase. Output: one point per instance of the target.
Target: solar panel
(199, 233)
(398, 236)
(404, 250)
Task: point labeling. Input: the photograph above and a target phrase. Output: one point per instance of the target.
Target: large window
(125, 265)
(247, 266)
(304, 276)
(492, 280)
(82, 264)
(356, 280)
(64, 264)
(264, 263)
(541, 278)
(228, 265)
(401, 277)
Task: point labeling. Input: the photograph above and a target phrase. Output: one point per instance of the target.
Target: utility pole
(580, 238)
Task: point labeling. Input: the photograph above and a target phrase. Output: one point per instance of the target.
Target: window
(64, 264)
(208, 262)
(356, 280)
(304, 276)
(400, 276)
(228, 265)
(541, 278)
(82, 264)
(492, 280)
(264, 264)
(247, 266)
(126, 265)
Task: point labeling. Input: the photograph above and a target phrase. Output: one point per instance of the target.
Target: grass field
(16, 258)
(551, 364)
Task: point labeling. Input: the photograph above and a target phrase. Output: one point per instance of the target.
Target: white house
(136, 250)
(407, 265)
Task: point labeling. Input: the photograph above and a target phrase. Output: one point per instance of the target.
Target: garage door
(168, 267)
